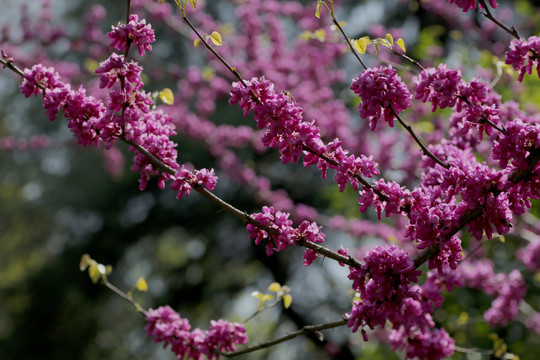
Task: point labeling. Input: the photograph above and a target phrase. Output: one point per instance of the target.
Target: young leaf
(318, 11)
(376, 47)
(401, 44)
(166, 95)
(390, 39)
(216, 38)
(193, 3)
(142, 285)
(360, 45)
(275, 287)
(196, 42)
(94, 273)
(287, 301)
(85, 261)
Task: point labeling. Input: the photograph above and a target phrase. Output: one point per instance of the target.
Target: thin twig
(512, 31)
(306, 329)
(424, 148)
(355, 53)
(124, 296)
(214, 52)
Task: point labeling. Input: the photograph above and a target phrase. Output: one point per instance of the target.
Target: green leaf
(166, 96)
(275, 287)
(390, 39)
(93, 272)
(318, 11)
(287, 301)
(142, 285)
(360, 45)
(401, 44)
(161, 1)
(216, 38)
(196, 42)
(193, 3)
(376, 47)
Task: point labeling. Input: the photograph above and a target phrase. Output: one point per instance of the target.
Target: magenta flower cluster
(286, 129)
(530, 256)
(134, 32)
(524, 55)
(508, 289)
(380, 89)
(474, 103)
(467, 5)
(283, 234)
(126, 114)
(184, 180)
(280, 115)
(385, 283)
(166, 326)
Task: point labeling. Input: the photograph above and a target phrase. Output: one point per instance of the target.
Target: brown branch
(306, 329)
(512, 31)
(424, 148)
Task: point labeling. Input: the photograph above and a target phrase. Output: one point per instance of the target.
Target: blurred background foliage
(58, 202)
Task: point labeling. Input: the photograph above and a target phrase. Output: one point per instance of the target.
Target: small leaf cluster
(96, 271)
(280, 293)
(215, 37)
(361, 44)
(183, 6)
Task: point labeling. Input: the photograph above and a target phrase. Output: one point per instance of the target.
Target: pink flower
(207, 177)
(524, 55)
(39, 75)
(467, 5)
(438, 86)
(166, 326)
(134, 32)
(115, 68)
(379, 88)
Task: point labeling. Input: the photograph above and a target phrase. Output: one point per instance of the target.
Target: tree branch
(306, 329)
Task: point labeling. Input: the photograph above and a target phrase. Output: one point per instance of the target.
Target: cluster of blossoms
(184, 180)
(166, 326)
(467, 5)
(530, 256)
(475, 104)
(134, 32)
(524, 55)
(286, 129)
(508, 289)
(127, 113)
(385, 283)
(285, 234)
(380, 90)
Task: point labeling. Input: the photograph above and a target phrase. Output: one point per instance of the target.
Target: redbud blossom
(134, 32)
(166, 326)
(524, 55)
(379, 88)
(467, 5)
